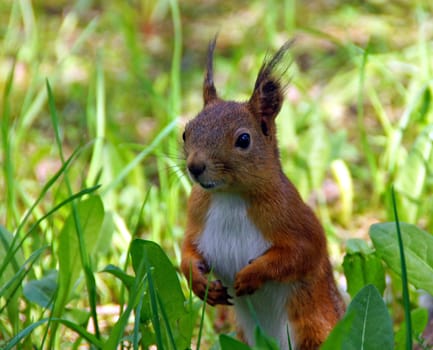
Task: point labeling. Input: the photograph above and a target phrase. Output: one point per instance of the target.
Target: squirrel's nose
(196, 169)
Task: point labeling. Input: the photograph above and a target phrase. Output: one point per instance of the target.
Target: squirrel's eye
(243, 141)
(183, 136)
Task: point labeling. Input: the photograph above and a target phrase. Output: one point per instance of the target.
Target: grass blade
(166, 322)
(15, 282)
(143, 154)
(79, 330)
(360, 118)
(12, 248)
(203, 308)
(8, 170)
(154, 306)
(88, 273)
(135, 300)
(413, 176)
(24, 334)
(176, 59)
(95, 162)
(136, 332)
(405, 288)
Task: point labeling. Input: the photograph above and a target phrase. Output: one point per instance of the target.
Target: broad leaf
(91, 215)
(126, 279)
(418, 250)
(42, 291)
(362, 267)
(366, 325)
(169, 296)
(229, 343)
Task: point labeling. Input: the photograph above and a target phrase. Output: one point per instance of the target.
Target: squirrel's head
(231, 146)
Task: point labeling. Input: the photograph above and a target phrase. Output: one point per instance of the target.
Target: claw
(217, 294)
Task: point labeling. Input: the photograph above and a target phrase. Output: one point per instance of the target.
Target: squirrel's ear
(209, 91)
(267, 96)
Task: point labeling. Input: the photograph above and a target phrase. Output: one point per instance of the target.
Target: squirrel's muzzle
(196, 169)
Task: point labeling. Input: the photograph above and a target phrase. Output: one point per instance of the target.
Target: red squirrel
(247, 223)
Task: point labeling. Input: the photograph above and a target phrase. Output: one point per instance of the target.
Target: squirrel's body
(249, 226)
(228, 254)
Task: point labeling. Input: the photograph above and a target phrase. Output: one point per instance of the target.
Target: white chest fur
(228, 243)
(230, 240)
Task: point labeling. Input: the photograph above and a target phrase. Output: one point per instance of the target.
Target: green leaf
(425, 105)
(126, 279)
(366, 325)
(28, 330)
(404, 280)
(229, 343)
(91, 216)
(418, 248)
(264, 342)
(419, 322)
(143, 154)
(341, 173)
(362, 267)
(82, 332)
(316, 151)
(412, 176)
(42, 291)
(78, 316)
(15, 262)
(12, 267)
(337, 337)
(10, 287)
(355, 245)
(24, 333)
(168, 290)
(103, 244)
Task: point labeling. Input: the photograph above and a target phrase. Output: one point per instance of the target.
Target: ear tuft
(209, 91)
(270, 87)
(267, 96)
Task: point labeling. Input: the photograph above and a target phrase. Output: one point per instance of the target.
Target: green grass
(405, 287)
(93, 99)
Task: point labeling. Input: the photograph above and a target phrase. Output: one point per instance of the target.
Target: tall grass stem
(85, 261)
(405, 288)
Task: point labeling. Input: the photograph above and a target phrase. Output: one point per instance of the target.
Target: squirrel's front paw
(212, 291)
(246, 282)
(217, 294)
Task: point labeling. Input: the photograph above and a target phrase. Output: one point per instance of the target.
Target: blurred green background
(126, 76)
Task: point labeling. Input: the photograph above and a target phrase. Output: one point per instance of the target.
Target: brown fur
(298, 252)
